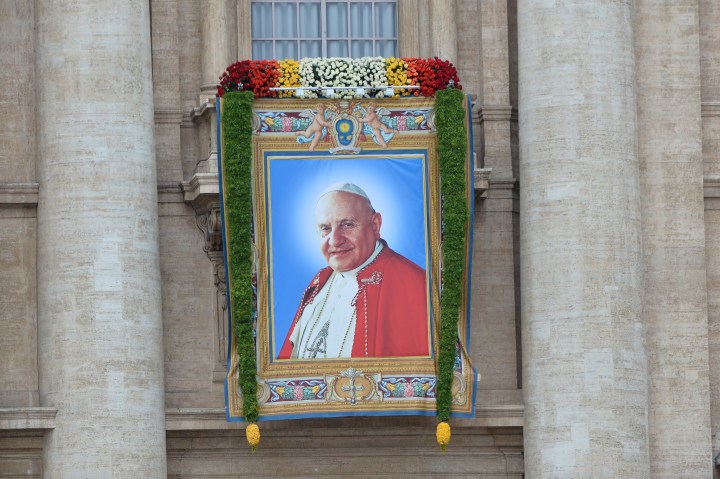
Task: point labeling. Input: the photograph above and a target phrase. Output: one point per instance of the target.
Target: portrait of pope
(369, 301)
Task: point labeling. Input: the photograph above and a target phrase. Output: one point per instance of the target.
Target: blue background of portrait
(396, 187)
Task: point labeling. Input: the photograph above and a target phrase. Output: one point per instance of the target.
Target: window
(307, 28)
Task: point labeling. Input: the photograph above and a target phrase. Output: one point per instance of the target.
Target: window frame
(324, 38)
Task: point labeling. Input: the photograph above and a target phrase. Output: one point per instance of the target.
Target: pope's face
(347, 228)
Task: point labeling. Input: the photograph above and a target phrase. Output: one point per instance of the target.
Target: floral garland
(372, 73)
(237, 161)
(452, 150)
(432, 76)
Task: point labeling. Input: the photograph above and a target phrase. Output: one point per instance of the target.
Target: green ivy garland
(237, 164)
(452, 147)
(237, 160)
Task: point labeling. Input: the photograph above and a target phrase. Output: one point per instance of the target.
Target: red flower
(236, 77)
(263, 76)
(257, 76)
(431, 75)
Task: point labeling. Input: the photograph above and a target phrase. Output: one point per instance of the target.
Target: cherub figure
(372, 119)
(314, 132)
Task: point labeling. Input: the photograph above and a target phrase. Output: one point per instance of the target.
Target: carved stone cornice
(187, 120)
(481, 181)
(710, 108)
(202, 190)
(27, 418)
(503, 184)
(168, 116)
(206, 105)
(196, 419)
(498, 113)
(19, 193)
(193, 419)
(170, 193)
(500, 416)
(711, 187)
(503, 188)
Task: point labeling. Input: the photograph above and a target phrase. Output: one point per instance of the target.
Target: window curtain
(310, 30)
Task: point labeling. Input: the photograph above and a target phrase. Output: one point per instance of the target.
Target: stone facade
(596, 278)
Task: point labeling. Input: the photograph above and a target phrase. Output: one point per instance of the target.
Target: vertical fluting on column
(425, 25)
(667, 44)
(409, 28)
(584, 365)
(244, 29)
(443, 33)
(219, 32)
(99, 306)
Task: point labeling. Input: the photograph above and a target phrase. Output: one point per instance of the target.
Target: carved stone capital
(210, 223)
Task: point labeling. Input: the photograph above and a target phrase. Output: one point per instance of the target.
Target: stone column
(424, 28)
(584, 364)
(443, 33)
(409, 28)
(667, 46)
(219, 41)
(99, 307)
(709, 13)
(219, 49)
(244, 29)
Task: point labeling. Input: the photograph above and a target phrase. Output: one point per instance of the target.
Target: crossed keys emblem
(353, 386)
(352, 373)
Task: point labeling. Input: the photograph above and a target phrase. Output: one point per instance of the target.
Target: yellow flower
(269, 120)
(289, 77)
(443, 435)
(396, 72)
(252, 433)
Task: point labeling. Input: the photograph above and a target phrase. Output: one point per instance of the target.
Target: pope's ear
(377, 223)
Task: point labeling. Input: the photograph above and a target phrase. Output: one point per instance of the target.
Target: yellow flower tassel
(443, 435)
(252, 433)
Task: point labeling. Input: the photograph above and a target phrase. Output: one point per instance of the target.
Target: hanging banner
(347, 261)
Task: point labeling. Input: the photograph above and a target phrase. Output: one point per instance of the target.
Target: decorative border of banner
(352, 386)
